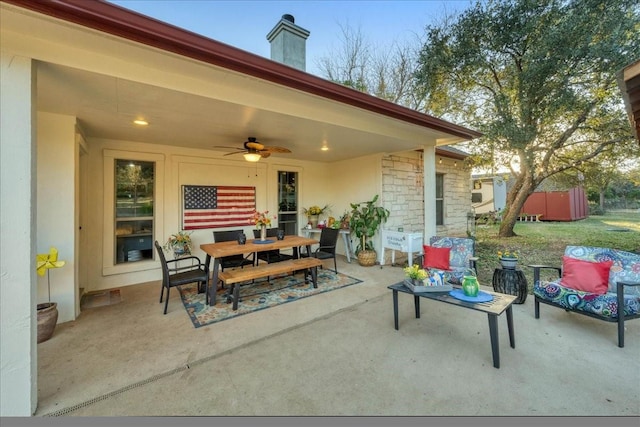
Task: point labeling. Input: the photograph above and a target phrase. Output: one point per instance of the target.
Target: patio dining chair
(175, 275)
(270, 256)
(232, 261)
(327, 247)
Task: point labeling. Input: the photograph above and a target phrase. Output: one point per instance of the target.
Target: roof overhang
(204, 92)
(629, 83)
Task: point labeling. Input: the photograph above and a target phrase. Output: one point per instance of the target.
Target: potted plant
(180, 243)
(313, 213)
(365, 220)
(508, 259)
(48, 311)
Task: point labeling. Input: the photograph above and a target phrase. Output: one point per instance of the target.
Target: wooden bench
(234, 277)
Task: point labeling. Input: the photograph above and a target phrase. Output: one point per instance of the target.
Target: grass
(544, 242)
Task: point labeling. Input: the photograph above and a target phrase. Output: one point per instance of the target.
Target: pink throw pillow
(592, 277)
(436, 257)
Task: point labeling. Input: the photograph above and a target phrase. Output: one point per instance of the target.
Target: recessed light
(141, 122)
(325, 148)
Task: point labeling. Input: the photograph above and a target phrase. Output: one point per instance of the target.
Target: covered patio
(335, 353)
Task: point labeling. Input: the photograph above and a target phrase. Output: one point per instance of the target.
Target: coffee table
(494, 308)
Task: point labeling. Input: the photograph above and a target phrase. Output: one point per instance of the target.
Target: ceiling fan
(254, 151)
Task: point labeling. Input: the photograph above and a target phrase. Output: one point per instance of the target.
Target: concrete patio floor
(335, 354)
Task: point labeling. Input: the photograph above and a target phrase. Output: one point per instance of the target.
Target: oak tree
(538, 78)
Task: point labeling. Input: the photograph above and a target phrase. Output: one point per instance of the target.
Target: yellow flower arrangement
(507, 254)
(415, 272)
(315, 210)
(261, 218)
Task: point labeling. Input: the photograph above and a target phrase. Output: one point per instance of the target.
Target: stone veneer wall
(402, 194)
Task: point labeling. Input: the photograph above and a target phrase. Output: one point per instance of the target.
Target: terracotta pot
(47, 319)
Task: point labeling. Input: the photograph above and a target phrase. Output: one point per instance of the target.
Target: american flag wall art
(206, 206)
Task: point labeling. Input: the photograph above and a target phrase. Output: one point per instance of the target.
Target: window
(288, 202)
(134, 210)
(439, 199)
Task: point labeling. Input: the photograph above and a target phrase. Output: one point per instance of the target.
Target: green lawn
(544, 242)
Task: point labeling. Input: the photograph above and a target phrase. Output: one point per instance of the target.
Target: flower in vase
(260, 219)
(315, 210)
(508, 254)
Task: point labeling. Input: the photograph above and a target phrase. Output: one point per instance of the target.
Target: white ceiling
(106, 105)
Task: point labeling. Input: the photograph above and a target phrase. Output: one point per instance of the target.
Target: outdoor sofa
(598, 282)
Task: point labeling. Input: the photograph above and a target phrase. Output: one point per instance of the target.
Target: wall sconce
(252, 157)
(455, 164)
(440, 161)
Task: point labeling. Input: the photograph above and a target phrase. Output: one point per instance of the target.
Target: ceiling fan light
(252, 157)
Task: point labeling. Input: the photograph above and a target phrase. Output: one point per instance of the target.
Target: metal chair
(327, 247)
(232, 260)
(270, 256)
(461, 258)
(177, 276)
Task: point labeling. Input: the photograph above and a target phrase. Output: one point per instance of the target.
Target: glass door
(288, 202)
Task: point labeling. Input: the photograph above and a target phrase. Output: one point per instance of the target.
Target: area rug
(100, 298)
(259, 295)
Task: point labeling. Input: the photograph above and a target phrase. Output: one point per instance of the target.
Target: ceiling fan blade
(264, 154)
(228, 148)
(274, 149)
(234, 152)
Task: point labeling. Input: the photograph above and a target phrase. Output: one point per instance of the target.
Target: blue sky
(245, 24)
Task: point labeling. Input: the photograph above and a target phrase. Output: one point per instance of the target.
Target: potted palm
(180, 243)
(365, 221)
(47, 311)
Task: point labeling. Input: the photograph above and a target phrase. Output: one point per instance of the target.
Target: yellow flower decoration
(47, 261)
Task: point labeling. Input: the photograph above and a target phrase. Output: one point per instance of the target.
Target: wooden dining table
(218, 250)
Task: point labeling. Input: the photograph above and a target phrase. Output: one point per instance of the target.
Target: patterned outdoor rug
(259, 295)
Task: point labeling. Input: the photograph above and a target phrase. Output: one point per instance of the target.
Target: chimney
(288, 43)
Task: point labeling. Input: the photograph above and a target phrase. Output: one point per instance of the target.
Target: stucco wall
(177, 167)
(56, 208)
(18, 348)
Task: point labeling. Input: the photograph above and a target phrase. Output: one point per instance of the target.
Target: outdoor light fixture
(252, 157)
(440, 161)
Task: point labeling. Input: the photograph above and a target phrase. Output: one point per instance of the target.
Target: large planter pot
(509, 263)
(313, 219)
(367, 258)
(47, 319)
